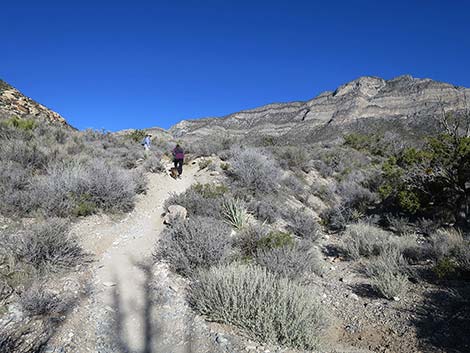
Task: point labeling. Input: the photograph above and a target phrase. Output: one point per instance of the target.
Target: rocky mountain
(14, 103)
(404, 100)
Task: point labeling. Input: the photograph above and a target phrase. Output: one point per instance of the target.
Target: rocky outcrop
(14, 103)
(401, 98)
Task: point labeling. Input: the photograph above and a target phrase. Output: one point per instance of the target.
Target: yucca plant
(234, 213)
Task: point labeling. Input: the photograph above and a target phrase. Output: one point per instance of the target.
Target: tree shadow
(443, 321)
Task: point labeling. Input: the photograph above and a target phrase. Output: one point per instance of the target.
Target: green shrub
(84, 206)
(268, 308)
(22, 124)
(276, 239)
(445, 268)
(136, 135)
(224, 166)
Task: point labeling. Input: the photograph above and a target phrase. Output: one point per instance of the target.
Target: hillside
(403, 100)
(14, 103)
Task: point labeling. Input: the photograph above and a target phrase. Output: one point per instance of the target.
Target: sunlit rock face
(14, 104)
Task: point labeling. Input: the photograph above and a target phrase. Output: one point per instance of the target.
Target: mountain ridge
(403, 97)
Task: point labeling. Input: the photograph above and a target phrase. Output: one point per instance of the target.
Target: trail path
(119, 303)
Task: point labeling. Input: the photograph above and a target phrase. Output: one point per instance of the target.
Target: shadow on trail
(154, 332)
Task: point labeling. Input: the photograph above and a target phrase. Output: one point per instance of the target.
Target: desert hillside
(14, 103)
(339, 224)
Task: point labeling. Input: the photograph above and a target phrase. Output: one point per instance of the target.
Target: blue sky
(136, 64)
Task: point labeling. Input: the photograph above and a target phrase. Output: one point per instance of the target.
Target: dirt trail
(118, 288)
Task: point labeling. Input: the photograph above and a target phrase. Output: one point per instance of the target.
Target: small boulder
(175, 213)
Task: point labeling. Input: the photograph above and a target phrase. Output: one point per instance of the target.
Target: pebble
(109, 284)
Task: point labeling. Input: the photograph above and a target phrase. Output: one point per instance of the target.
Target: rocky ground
(128, 304)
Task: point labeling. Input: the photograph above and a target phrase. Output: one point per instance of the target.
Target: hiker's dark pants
(178, 165)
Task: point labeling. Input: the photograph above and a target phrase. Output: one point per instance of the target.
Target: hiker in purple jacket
(178, 158)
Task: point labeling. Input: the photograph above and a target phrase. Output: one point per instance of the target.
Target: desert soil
(127, 302)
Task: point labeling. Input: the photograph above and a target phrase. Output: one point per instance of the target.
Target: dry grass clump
(450, 252)
(193, 243)
(267, 307)
(153, 164)
(388, 272)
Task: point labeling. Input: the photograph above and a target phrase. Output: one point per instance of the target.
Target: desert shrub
(234, 213)
(153, 164)
(294, 184)
(224, 166)
(388, 272)
(14, 274)
(136, 135)
(335, 218)
(204, 163)
(302, 224)
(201, 200)
(19, 123)
(37, 300)
(49, 245)
(192, 243)
(364, 240)
(292, 157)
(255, 171)
(450, 251)
(325, 192)
(67, 185)
(27, 154)
(290, 260)
(248, 239)
(355, 196)
(210, 190)
(275, 239)
(265, 209)
(399, 225)
(430, 181)
(266, 307)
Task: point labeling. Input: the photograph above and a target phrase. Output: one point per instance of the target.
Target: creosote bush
(193, 243)
(269, 308)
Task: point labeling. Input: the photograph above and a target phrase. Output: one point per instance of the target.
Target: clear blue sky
(136, 64)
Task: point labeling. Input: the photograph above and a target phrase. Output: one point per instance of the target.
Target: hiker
(146, 142)
(178, 158)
